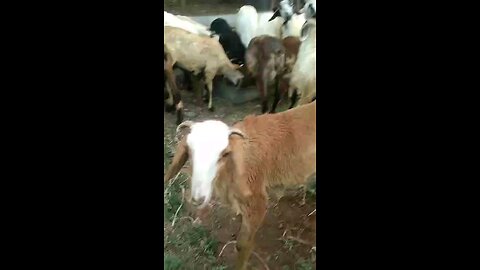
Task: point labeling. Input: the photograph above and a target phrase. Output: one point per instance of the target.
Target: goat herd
(237, 164)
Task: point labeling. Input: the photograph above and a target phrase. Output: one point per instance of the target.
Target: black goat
(229, 40)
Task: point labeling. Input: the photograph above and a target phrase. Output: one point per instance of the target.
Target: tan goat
(237, 164)
(200, 55)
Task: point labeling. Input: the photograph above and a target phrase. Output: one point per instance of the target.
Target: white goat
(239, 164)
(250, 23)
(185, 23)
(303, 78)
(310, 9)
(292, 22)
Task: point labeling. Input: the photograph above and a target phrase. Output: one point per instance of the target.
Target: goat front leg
(175, 93)
(169, 104)
(262, 88)
(252, 219)
(293, 98)
(208, 81)
(281, 88)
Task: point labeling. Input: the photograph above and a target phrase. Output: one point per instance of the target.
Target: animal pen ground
(286, 239)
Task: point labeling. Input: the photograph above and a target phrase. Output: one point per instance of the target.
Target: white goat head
(284, 10)
(310, 9)
(208, 149)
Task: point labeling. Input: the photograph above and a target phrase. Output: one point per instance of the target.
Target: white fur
(185, 23)
(206, 141)
(286, 9)
(246, 23)
(306, 10)
(303, 76)
(271, 28)
(250, 23)
(293, 28)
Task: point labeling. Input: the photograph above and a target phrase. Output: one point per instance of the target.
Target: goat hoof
(212, 109)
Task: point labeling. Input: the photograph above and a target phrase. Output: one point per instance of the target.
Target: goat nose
(197, 201)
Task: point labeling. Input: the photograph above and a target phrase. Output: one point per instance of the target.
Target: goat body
(265, 59)
(250, 23)
(258, 153)
(185, 23)
(229, 40)
(200, 55)
(303, 76)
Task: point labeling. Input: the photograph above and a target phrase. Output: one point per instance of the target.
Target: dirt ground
(287, 238)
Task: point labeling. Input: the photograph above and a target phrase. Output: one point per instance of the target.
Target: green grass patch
(303, 265)
(312, 189)
(171, 262)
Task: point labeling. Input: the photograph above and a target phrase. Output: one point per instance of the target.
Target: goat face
(208, 147)
(285, 10)
(219, 26)
(233, 75)
(310, 9)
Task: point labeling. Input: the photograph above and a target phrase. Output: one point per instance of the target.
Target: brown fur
(279, 150)
(292, 45)
(265, 59)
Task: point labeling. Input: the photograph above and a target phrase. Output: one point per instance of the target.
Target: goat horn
(237, 132)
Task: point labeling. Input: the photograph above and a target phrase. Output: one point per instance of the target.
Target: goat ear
(183, 129)
(275, 15)
(239, 173)
(236, 131)
(179, 159)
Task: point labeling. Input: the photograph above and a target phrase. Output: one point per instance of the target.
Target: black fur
(229, 40)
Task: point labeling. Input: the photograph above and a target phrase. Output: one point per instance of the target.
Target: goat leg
(208, 81)
(279, 90)
(174, 92)
(252, 218)
(293, 99)
(262, 88)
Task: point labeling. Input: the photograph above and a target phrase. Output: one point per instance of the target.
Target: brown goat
(174, 98)
(237, 164)
(265, 60)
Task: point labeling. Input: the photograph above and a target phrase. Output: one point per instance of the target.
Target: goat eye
(225, 154)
